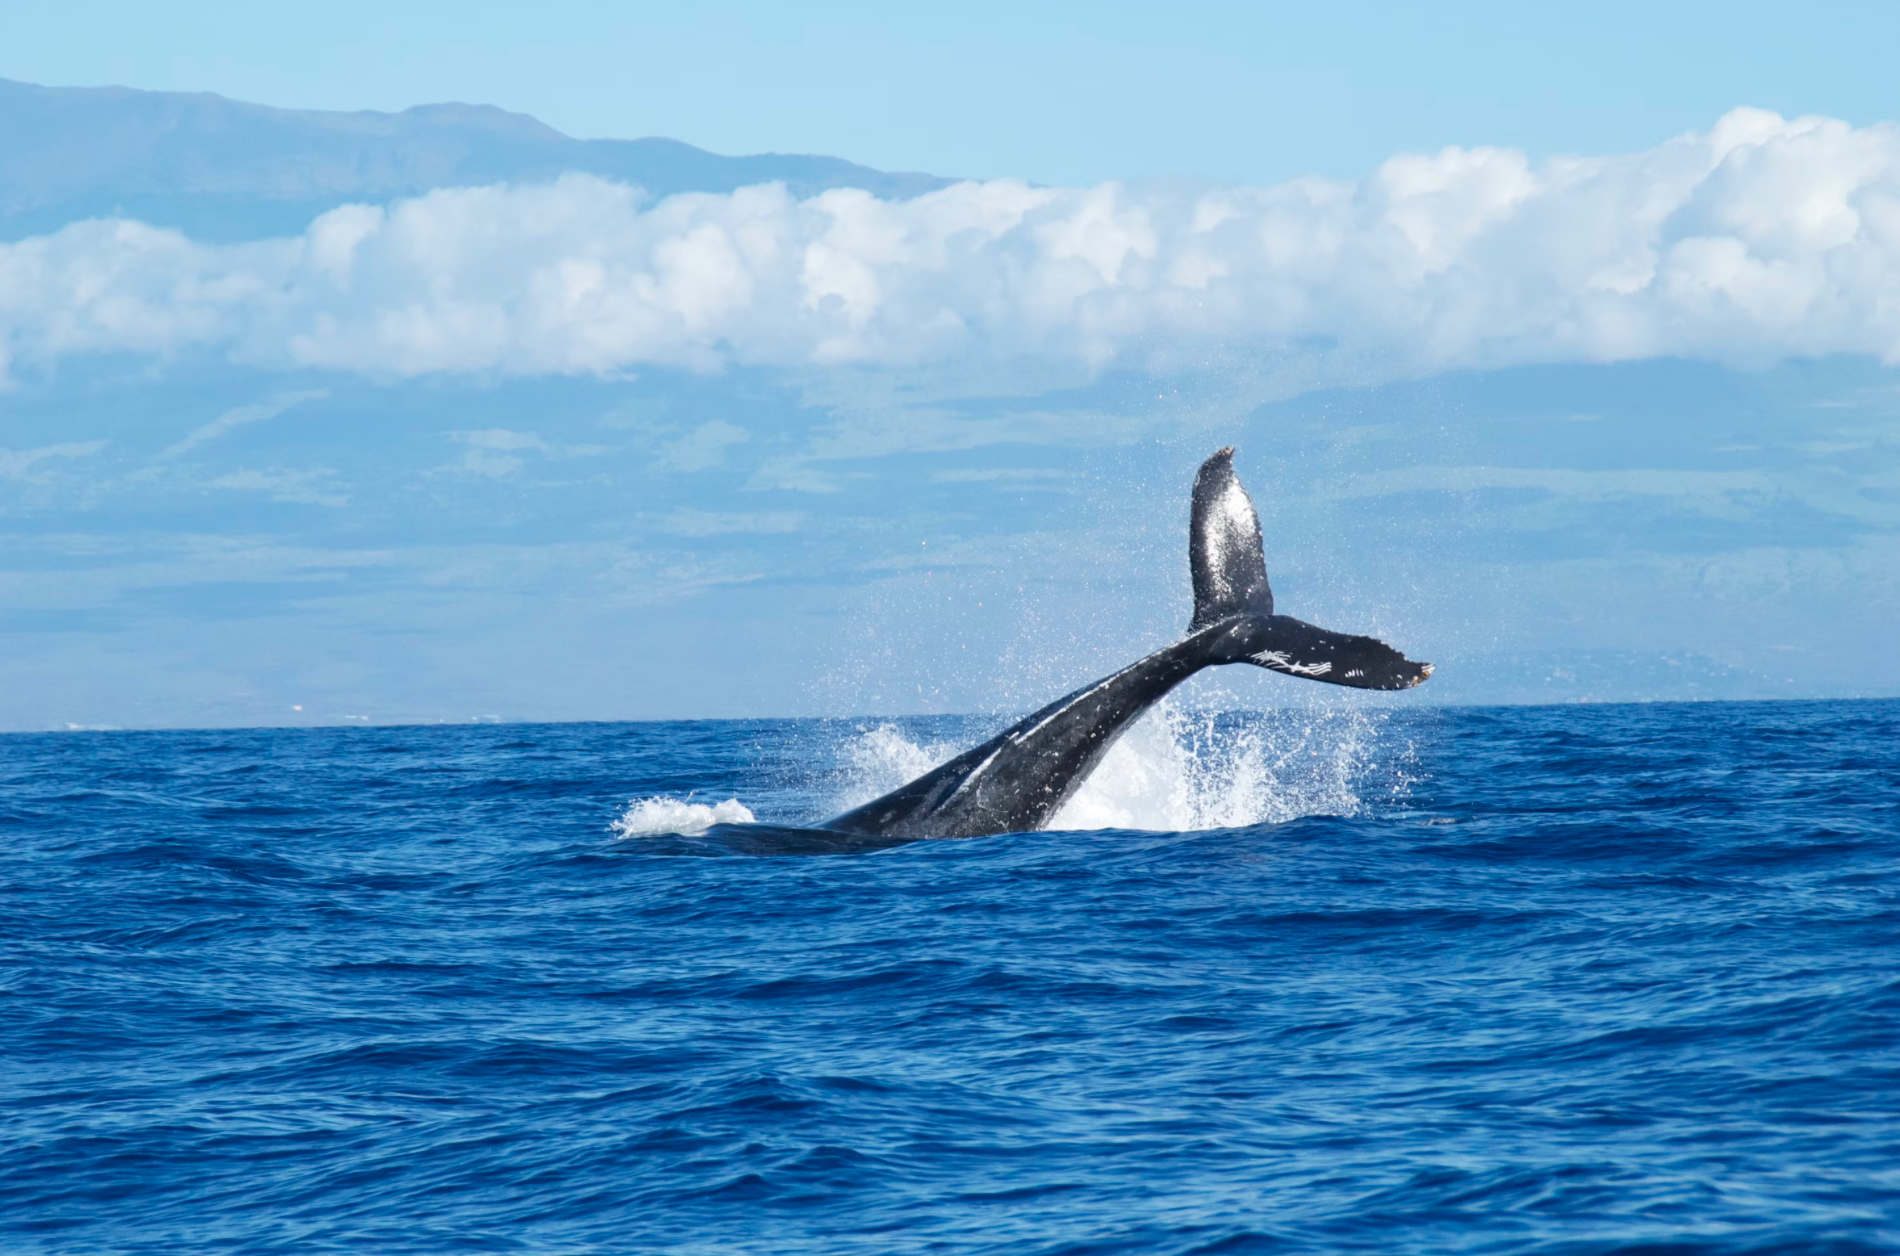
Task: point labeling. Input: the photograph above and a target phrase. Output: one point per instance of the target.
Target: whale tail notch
(1230, 586)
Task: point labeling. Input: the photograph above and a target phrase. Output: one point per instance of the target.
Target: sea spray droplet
(1178, 769)
(1185, 771)
(646, 817)
(880, 759)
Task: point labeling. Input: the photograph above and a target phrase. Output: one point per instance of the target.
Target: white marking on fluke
(1284, 662)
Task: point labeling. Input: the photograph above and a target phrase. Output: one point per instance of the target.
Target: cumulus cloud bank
(1761, 238)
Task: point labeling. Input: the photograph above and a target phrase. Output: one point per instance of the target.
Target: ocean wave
(1505, 1006)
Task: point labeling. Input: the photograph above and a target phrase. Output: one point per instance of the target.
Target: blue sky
(1562, 354)
(1055, 93)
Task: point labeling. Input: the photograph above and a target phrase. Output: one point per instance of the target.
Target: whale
(1017, 780)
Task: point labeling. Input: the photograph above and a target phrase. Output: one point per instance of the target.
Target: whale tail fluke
(1230, 586)
(1224, 554)
(1020, 778)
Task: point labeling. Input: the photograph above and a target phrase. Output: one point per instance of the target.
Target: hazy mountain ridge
(221, 169)
(199, 526)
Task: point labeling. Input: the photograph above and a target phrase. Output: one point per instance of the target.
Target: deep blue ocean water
(1560, 979)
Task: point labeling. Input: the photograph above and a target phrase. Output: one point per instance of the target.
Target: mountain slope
(225, 170)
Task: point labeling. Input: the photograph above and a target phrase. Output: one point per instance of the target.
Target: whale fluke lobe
(1224, 554)
(1294, 647)
(1018, 779)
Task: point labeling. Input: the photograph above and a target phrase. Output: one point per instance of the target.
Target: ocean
(1326, 979)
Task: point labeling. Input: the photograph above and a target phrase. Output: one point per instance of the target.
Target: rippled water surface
(1554, 979)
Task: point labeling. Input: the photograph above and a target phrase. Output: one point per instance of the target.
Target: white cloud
(309, 488)
(497, 452)
(688, 522)
(996, 475)
(1761, 238)
(238, 416)
(15, 464)
(704, 447)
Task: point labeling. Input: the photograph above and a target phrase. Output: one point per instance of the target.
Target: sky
(1058, 93)
(1564, 355)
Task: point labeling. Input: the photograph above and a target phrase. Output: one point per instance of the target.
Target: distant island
(225, 170)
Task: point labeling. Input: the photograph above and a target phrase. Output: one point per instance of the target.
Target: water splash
(877, 760)
(648, 817)
(1179, 770)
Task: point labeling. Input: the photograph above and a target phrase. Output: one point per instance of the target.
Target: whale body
(1017, 780)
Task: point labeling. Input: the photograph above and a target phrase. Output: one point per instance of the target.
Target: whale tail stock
(1233, 603)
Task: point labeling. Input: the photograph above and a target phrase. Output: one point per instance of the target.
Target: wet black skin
(1016, 781)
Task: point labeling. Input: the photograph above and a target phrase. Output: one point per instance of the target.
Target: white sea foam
(646, 817)
(1186, 770)
(1176, 770)
(879, 759)
(1182, 771)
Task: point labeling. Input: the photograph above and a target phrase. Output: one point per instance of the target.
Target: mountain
(225, 170)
